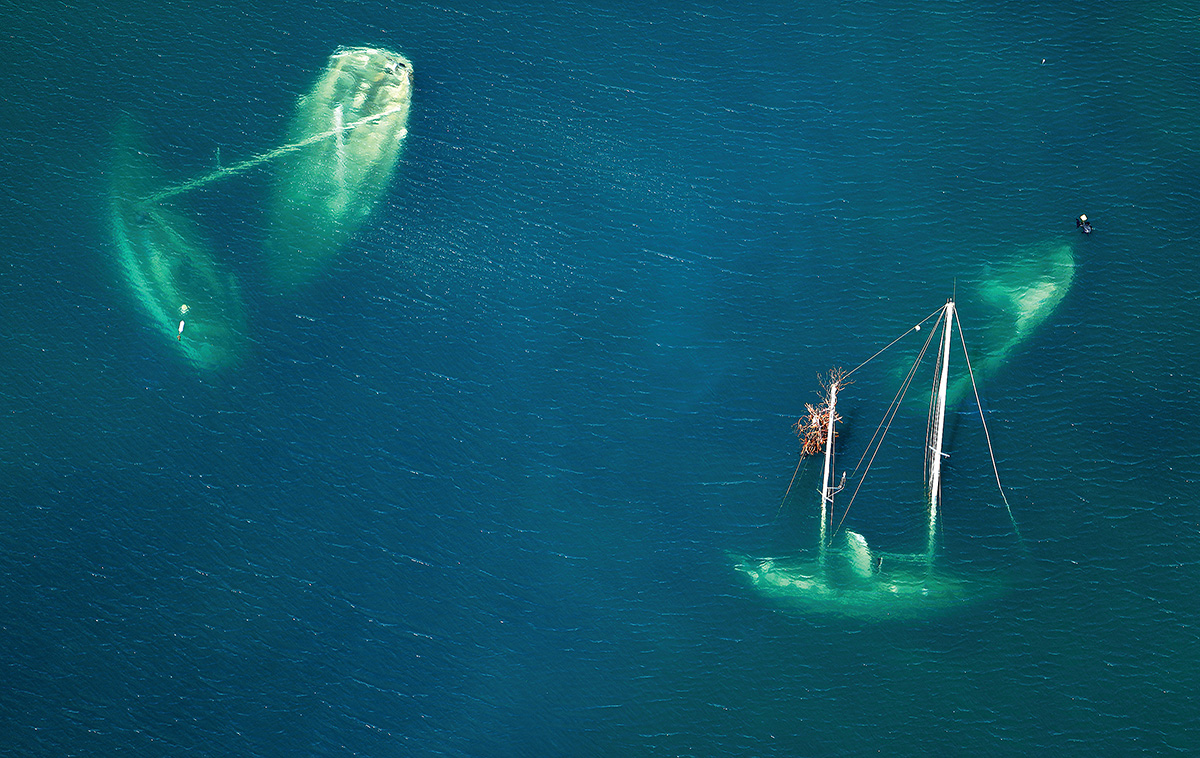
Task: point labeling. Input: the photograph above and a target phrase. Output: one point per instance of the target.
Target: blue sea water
(472, 492)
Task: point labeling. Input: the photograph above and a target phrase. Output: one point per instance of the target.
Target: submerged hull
(1022, 295)
(1017, 298)
(168, 266)
(1011, 301)
(853, 581)
(895, 592)
(352, 125)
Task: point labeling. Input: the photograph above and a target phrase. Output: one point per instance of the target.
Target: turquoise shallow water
(472, 492)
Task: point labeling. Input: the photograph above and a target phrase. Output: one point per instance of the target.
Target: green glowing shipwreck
(173, 274)
(349, 130)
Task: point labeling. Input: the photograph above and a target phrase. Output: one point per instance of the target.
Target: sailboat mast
(338, 131)
(935, 465)
(826, 489)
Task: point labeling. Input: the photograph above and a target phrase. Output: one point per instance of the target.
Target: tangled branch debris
(813, 428)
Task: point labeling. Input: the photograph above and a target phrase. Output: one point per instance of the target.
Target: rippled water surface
(474, 491)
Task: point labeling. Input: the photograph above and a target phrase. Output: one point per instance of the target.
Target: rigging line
(929, 425)
(986, 434)
(870, 463)
(885, 347)
(907, 380)
(893, 409)
(795, 473)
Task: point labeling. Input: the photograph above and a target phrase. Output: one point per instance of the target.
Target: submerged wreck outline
(346, 139)
(850, 580)
(325, 189)
(170, 266)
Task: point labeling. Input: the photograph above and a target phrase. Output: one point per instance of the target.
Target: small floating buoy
(918, 327)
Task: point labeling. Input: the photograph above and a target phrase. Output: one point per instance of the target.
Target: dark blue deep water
(471, 492)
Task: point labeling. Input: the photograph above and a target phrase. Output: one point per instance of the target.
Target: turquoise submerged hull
(1012, 300)
(1020, 296)
(352, 125)
(898, 589)
(168, 266)
(1003, 308)
(850, 580)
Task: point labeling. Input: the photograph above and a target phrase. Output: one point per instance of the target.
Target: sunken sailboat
(174, 275)
(1018, 296)
(1013, 298)
(845, 576)
(349, 130)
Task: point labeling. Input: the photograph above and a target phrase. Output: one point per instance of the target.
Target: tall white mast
(935, 465)
(826, 493)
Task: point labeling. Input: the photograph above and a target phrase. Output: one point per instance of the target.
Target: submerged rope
(986, 434)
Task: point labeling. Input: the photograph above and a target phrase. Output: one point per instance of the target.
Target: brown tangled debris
(813, 428)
